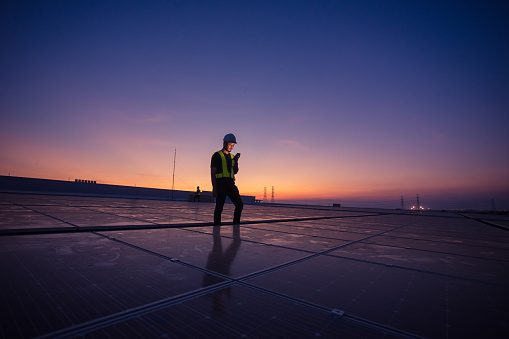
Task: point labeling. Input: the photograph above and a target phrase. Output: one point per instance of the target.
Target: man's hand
(214, 193)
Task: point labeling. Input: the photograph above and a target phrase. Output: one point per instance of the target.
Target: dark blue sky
(382, 98)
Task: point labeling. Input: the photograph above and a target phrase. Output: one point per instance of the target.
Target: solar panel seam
(85, 327)
(98, 323)
(337, 313)
(137, 219)
(308, 235)
(308, 251)
(438, 252)
(321, 237)
(257, 242)
(165, 257)
(329, 209)
(116, 215)
(278, 267)
(441, 242)
(76, 228)
(49, 216)
(284, 296)
(486, 222)
(419, 270)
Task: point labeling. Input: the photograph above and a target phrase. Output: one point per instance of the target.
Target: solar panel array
(109, 267)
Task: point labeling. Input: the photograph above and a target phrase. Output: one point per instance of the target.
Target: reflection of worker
(223, 168)
(220, 262)
(197, 194)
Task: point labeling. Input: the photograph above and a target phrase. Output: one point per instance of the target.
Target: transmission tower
(493, 204)
(402, 204)
(272, 200)
(418, 203)
(265, 194)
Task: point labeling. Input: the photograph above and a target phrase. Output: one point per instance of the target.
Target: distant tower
(173, 182)
(402, 204)
(272, 194)
(265, 194)
(418, 203)
(493, 204)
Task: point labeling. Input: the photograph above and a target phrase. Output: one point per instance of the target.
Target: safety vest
(225, 173)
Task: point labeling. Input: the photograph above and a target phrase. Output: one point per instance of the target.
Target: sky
(331, 101)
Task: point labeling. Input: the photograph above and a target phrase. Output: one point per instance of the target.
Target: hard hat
(230, 138)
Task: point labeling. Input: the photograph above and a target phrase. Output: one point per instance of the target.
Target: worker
(197, 194)
(223, 167)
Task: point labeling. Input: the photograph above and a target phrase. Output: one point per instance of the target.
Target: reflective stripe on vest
(225, 173)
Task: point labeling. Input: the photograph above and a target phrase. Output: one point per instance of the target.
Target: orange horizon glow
(286, 192)
(148, 162)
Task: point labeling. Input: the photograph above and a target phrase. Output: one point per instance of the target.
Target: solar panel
(160, 269)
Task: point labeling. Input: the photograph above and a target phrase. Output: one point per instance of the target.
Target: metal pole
(173, 183)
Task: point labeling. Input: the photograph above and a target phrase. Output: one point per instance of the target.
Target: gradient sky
(328, 99)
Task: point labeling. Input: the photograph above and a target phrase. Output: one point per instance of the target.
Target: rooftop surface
(109, 267)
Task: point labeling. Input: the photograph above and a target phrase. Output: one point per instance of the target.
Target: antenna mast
(173, 182)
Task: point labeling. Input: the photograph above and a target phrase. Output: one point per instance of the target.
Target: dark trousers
(224, 188)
